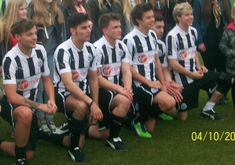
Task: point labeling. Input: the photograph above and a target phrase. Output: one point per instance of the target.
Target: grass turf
(172, 143)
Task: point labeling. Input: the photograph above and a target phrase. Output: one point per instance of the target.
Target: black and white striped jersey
(111, 59)
(68, 58)
(162, 53)
(143, 50)
(181, 46)
(25, 71)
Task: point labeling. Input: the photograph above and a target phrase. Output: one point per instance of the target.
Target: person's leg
(224, 83)
(165, 101)
(96, 133)
(150, 124)
(143, 98)
(23, 119)
(119, 108)
(42, 124)
(76, 122)
(50, 117)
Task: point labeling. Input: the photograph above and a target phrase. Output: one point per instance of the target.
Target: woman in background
(127, 6)
(50, 23)
(210, 19)
(15, 9)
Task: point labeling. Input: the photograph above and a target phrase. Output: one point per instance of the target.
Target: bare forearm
(127, 76)
(94, 86)
(49, 88)
(139, 77)
(166, 74)
(178, 68)
(78, 93)
(127, 80)
(106, 84)
(31, 104)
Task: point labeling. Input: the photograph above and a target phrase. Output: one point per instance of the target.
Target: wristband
(91, 104)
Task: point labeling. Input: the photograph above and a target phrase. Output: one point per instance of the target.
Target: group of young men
(97, 85)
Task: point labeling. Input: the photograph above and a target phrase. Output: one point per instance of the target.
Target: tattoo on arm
(33, 104)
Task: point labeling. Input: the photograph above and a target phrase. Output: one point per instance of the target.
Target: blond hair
(45, 17)
(9, 17)
(127, 8)
(233, 12)
(180, 9)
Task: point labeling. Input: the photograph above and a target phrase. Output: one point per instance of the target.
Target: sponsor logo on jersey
(142, 58)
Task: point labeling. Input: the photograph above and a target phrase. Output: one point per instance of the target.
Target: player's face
(28, 39)
(22, 12)
(82, 32)
(186, 19)
(147, 20)
(159, 28)
(113, 31)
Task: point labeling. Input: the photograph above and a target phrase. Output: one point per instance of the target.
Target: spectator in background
(15, 9)
(73, 6)
(99, 7)
(210, 18)
(127, 6)
(227, 46)
(50, 22)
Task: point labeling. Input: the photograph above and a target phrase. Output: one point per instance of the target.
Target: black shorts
(60, 98)
(144, 95)
(6, 113)
(105, 100)
(190, 92)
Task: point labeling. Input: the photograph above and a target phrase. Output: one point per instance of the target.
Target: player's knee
(167, 104)
(125, 104)
(23, 115)
(81, 111)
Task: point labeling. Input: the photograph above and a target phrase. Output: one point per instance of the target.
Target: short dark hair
(106, 18)
(76, 19)
(137, 12)
(158, 17)
(22, 25)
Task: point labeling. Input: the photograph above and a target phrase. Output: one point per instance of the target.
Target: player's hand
(126, 92)
(163, 88)
(95, 112)
(174, 90)
(46, 108)
(154, 84)
(175, 85)
(202, 47)
(197, 75)
(52, 106)
(203, 69)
